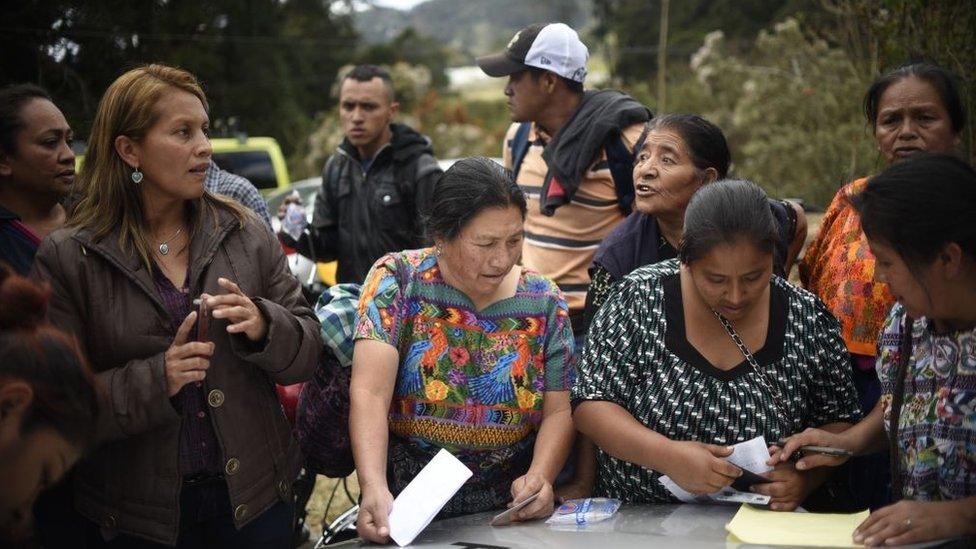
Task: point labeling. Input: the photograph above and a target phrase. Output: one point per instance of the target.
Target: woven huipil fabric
(838, 267)
(937, 425)
(469, 381)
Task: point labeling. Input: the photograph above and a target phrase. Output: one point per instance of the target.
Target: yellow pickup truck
(259, 159)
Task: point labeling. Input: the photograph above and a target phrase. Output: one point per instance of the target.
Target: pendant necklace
(164, 246)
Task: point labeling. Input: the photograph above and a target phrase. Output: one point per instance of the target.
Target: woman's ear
(128, 150)
(15, 397)
(952, 260)
(5, 169)
(710, 176)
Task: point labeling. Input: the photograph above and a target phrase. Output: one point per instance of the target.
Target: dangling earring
(137, 176)
(438, 250)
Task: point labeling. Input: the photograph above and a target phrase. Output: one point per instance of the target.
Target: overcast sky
(399, 4)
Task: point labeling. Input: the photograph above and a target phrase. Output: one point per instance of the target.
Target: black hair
(365, 73)
(572, 85)
(705, 141)
(723, 212)
(919, 206)
(945, 82)
(467, 188)
(12, 101)
(48, 359)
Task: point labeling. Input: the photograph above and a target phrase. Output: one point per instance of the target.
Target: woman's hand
(788, 488)
(699, 468)
(242, 314)
(373, 523)
(186, 362)
(525, 486)
(576, 489)
(812, 437)
(915, 521)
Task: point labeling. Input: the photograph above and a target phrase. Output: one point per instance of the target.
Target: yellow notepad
(761, 527)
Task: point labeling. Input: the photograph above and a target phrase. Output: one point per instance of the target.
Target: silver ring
(908, 524)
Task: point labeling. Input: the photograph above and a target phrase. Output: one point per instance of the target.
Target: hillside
(472, 27)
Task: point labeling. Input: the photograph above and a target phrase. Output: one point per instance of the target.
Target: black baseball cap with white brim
(554, 47)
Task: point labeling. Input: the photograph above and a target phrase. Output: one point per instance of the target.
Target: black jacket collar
(405, 145)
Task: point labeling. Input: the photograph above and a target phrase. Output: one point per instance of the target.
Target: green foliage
(632, 28)
(789, 101)
(411, 47)
(882, 34)
(266, 64)
(791, 111)
(470, 27)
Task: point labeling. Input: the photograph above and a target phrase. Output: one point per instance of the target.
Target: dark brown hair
(49, 360)
(12, 101)
(724, 211)
(468, 187)
(705, 141)
(945, 82)
(919, 206)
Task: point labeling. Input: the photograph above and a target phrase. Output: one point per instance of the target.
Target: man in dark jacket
(375, 187)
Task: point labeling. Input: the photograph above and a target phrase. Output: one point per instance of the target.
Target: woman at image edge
(192, 447)
(916, 217)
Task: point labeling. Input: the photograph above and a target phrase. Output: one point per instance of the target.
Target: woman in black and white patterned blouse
(667, 381)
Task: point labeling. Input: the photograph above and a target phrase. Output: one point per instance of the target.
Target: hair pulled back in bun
(22, 302)
(33, 351)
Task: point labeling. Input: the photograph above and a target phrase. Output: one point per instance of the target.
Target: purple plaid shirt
(199, 450)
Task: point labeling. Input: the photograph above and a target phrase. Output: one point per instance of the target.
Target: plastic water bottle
(295, 221)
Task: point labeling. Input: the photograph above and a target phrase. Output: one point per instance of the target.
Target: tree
(632, 28)
(412, 48)
(266, 63)
(882, 34)
(790, 109)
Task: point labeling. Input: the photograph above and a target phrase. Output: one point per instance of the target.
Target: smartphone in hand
(203, 320)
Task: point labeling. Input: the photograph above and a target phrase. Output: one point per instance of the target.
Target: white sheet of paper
(750, 455)
(425, 496)
(680, 493)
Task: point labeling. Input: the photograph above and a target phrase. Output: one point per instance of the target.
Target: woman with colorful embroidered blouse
(913, 108)
(691, 355)
(460, 348)
(915, 216)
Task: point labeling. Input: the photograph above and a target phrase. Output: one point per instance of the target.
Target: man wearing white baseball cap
(554, 47)
(563, 146)
(572, 154)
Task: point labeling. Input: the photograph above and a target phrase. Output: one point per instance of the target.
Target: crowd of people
(608, 307)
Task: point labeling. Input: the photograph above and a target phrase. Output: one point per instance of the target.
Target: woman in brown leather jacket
(193, 448)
